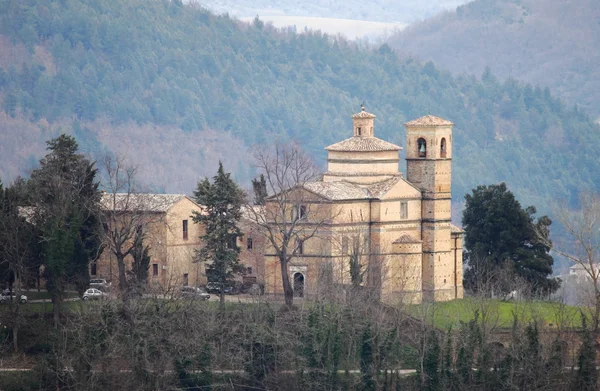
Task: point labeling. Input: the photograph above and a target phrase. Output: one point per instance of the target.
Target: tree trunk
(15, 333)
(287, 286)
(122, 275)
(221, 299)
(56, 310)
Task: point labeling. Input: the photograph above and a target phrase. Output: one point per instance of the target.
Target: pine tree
(66, 204)
(221, 202)
(498, 229)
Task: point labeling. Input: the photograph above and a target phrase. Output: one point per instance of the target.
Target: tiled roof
(140, 201)
(336, 191)
(456, 230)
(363, 144)
(363, 114)
(406, 238)
(428, 120)
(379, 189)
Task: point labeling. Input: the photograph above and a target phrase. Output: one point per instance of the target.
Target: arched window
(422, 147)
(443, 148)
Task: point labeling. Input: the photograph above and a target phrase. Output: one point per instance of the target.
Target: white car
(100, 283)
(5, 296)
(93, 293)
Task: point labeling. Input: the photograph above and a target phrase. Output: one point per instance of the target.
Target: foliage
(465, 41)
(367, 360)
(20, 249)
(587, 373)
(222, 202)
(259, 185)
(138, 274)
(160, 63)
(431, 362)
(498, 233)
(66, 198)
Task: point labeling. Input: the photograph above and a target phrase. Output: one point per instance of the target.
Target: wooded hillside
(554, 43)
(177, 88)
(406, 11)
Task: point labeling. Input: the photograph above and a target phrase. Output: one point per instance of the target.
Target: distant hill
(178, 88)
(554, 43)
(405, 11)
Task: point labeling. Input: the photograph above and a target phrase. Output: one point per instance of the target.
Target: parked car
(100, 283)
(5, 296)
(93, 293)
(191, 292)
(215, 287)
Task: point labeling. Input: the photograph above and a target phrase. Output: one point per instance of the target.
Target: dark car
(215, 287)
(191, 292)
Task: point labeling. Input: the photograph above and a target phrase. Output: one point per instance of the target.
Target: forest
(143, 72)
(547, 42)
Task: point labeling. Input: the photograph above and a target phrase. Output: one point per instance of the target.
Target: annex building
(396, 228)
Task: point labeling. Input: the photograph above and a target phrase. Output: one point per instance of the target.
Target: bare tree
(127, 214)
(291, 214)
(582, 246)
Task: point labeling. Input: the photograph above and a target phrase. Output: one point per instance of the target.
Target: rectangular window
(301, 213)
(344, 245)
(248, 270)
(232, 243)
(155, 270)
(404, 210)
(185, 229)
(94, 270)
(185, 279)
(299, 247)
(249, 244)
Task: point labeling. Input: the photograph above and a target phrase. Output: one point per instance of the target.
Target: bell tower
(429, 167)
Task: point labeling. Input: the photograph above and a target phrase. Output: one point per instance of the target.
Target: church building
(382, 230)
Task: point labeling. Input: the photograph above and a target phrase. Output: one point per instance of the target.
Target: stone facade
(171, 234)
(400, 228)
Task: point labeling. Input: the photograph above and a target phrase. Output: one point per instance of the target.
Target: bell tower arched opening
(443, 148)
(421, 147)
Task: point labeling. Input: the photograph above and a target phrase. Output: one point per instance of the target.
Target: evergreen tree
(431, 363)
(259, 185)
(367, 360)
(66, 204)
(221, 201)
(499, 232)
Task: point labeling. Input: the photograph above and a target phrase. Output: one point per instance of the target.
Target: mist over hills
(406, 11)
(553, 43)
(178, 88)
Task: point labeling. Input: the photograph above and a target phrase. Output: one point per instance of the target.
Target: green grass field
(498, 313)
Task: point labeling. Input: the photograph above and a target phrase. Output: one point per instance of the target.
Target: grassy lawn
(499, 313)
(44, 295)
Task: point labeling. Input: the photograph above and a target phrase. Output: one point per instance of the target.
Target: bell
(422, 149)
